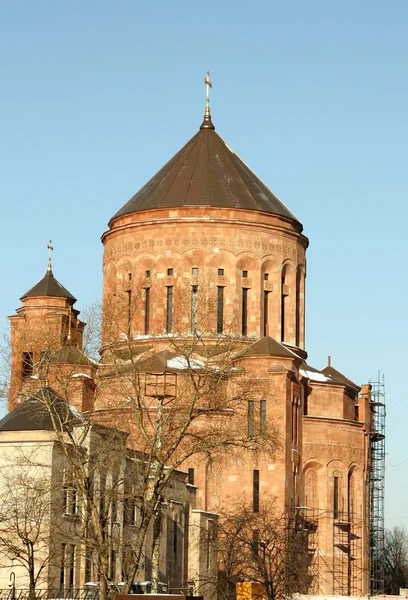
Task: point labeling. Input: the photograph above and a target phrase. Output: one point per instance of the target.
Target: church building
(206, 257)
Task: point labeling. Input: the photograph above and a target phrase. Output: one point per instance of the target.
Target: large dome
(206, 172)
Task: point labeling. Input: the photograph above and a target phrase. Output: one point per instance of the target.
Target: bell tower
(46, 321)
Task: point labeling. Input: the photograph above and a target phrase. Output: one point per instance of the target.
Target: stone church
(206, 251)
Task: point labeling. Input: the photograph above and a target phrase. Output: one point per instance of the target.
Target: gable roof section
(337, 376)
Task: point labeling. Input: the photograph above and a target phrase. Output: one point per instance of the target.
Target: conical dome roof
(49, 286)
(206, 172)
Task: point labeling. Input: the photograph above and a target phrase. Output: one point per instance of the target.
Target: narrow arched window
(298, 311)
(169, 303)
(220, 303)
(244, 306)
(284, 294)
(147, 304)
(266, 307)
(194, 301)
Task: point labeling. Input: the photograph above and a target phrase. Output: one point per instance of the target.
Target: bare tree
(395, 560)
(264, 549)
(183, 400)
(25, 517)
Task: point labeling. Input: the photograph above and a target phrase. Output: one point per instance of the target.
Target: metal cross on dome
(208, 85)
(50, 249)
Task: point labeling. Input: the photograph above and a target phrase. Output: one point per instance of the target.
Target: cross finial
(207, 124)
(50, 249)
(208, 85)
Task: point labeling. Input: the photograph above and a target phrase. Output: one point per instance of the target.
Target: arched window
(298, 311)
(284, 294)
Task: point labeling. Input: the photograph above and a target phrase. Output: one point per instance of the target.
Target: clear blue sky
(96, 96)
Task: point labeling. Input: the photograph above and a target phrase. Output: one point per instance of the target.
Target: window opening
(251, 418)
(147, 311)
(244, 328)
(255, 491)
(194, 308)
(220, 309)
(266, 312)
(27, 366)
(336, 497)
(297, 324)
(169, 309)
(283, 307)
(262, 408)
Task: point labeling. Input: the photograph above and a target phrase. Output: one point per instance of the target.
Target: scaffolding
(346, 555)
(377, 484)
(305, 522)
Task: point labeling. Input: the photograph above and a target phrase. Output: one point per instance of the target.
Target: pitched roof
(337, 376)
(70, 355)
(38, 412)
(267, 346)
(206, 172)
(49, 286)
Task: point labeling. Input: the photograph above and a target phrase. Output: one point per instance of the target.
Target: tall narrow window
(169, 309)
(70, 500)
(102, 492)
(283, 298)
(147, 311)
(129, 303)
(191, 476)
(220, 309)
(266, 312)
(71, 567)
(27, 364)
(175, 540)
(297, 324)
(255, 542)
(194, 308)
(147, 306)
(114, 494)
(262, 408)
(255, 491)
(62, 567)
(112, 574)
(336, 497)
(170, 272)
(251, 416)
(244, 328)
(88, 565)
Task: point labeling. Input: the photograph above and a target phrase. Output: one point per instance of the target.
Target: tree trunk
(103, 582)
(156, 550)
(31, 571)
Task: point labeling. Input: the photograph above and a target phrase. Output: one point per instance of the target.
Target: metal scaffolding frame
(377, 484)
(346, 555)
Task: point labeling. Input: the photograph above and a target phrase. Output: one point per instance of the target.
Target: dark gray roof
(339, 377)
(268, 346)
(38, 412)
(70, 355)
(206, 172)
(49, 286)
